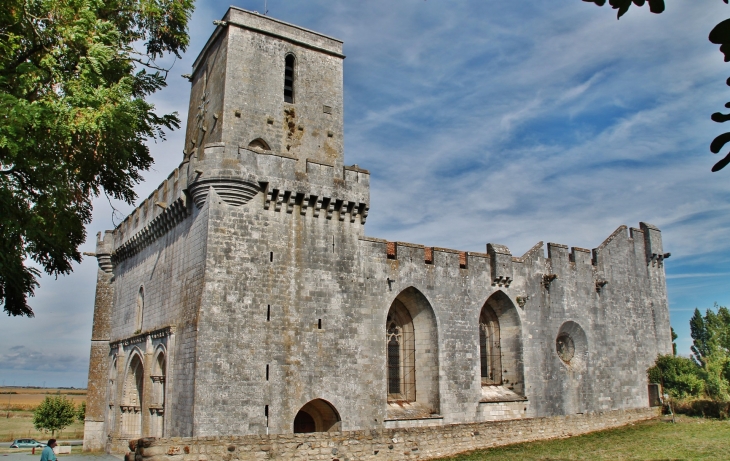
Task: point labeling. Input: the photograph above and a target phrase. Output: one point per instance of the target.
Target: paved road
(73, 443)
(26, 456)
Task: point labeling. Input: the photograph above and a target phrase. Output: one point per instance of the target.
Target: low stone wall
(386, 444)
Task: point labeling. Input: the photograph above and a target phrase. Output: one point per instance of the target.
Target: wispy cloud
(25, 358)
(490, 121)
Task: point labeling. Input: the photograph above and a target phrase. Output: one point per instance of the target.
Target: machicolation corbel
(547, 279)
(501, 264)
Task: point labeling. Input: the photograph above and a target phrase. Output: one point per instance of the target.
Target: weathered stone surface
(225, 315)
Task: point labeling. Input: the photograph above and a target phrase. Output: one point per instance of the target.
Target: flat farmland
(22, 398)
(16, 412)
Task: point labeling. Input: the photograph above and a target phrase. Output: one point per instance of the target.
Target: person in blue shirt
(48, 454)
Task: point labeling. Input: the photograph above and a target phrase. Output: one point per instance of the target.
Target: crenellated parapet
(156, 212)
(171, 216)
(618, 250)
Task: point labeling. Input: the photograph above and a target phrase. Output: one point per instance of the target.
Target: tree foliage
(720, 35)
(54, 413)
(74, 75)
(655, 6)
(680, 377)
(711, 349)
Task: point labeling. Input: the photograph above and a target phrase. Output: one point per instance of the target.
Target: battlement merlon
(644, 241)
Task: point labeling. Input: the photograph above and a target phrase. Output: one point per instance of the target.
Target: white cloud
(507, 122)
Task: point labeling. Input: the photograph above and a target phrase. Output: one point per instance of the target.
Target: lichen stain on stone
(330, 152)
(293, 136)
(230, 163)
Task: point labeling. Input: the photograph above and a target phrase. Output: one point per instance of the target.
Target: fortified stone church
(243, 296)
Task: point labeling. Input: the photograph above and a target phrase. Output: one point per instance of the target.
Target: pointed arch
(412, 351)
(158, 378)
(259, 143)
(317, 415)
(132, 394)
(500, 334)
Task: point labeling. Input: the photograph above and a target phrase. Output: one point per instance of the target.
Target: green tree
(711, 349)
(674, 344)
(54, 413)
(81, 412)
(74, 75)
(680, 377)
(710, 334)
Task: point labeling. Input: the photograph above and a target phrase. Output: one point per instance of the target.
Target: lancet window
(401, 351)
(489, 347)
(289, 63)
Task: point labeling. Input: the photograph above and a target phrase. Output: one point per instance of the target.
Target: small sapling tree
(81, 413)
(54, 414)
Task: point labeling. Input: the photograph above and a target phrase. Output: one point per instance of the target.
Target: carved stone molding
(233, 191)
(172, 215)
(285, 200)
(142, 337)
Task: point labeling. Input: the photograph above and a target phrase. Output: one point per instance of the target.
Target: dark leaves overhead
(655, 6)
(74, 122)
(720, 35)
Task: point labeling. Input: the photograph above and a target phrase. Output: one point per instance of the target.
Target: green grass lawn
(657, 439)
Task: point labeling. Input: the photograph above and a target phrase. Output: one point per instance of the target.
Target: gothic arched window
(489, 347)
(401, 350)
(289, 63)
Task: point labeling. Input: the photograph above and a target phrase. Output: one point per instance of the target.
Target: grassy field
(658, 439)
(20, 424)
(16, 413)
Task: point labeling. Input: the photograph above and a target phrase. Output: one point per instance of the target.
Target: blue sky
(483, 121)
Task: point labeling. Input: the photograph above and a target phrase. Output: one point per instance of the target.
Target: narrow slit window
(271, 257)
(267, 372)
(268, 312)
(289, 79)
(319, 324)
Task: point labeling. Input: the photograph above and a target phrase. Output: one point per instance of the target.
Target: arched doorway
(131, 406)
(317, 416)
(412, 359)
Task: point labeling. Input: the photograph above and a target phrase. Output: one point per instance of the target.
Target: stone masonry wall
(387, 444)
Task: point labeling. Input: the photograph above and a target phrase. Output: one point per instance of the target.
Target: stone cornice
(173, 214)
(142, 337)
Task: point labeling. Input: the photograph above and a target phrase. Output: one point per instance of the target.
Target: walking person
(48, 454)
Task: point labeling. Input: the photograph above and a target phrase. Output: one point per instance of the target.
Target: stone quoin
(242, 298)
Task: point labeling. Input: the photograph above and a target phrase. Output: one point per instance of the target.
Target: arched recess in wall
(290, 63)
(500, 344)
(412, 359)
(259, 143)
(139, 313)
(112, 400)
(133, 391)
(157, 406)
(571, 350)
(317, 415)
